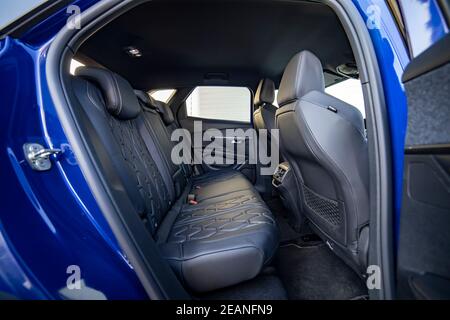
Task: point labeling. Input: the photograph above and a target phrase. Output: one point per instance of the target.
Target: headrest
(121, 102)
(304, 73)
(159, 106)
(265, 93)
(144, 98)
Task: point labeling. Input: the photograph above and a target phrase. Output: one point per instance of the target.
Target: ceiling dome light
(133, 52)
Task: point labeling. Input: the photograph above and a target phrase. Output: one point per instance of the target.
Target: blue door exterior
(50, 220)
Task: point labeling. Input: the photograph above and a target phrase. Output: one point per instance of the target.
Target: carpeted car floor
(304, 268)
(316, 273)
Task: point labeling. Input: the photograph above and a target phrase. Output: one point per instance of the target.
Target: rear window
(163, 95)
(220, 103)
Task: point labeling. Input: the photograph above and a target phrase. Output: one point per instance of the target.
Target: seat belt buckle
(191, 199)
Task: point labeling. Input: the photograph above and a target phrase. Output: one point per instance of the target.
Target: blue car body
(42, 232)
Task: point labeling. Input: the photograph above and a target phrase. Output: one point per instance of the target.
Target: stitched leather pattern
(197, 212)
(150, 183)
(220, 225)
(237, 201)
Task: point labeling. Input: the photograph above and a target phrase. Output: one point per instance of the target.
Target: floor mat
(316, 273)
(266, 286)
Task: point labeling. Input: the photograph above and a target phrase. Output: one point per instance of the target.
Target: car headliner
(192, 43)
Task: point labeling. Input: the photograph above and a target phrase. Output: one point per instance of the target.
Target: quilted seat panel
(219, 224)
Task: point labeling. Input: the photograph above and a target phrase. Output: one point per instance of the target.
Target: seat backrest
(112, 108)
(264, 115)
(159, 119)
(323, 139)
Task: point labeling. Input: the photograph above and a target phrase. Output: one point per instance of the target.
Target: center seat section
(223, 240)
(161, 123)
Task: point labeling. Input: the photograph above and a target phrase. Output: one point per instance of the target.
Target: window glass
(163, 95)
(221, 103)
(12, 10)
(349, 91)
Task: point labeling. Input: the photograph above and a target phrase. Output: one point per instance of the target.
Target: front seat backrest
(264, 119)
(323, 139)
(264, 115)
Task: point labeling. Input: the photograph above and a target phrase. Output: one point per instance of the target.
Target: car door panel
(424, 241)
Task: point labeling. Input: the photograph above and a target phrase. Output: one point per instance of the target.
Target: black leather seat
(226, 238)
(161, 124)
(323, 139)
(264, 115)
(264, 119)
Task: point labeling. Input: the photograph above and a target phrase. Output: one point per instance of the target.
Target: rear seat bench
(160, 125)
(224, 239)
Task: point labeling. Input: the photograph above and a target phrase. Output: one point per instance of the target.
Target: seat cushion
(215, 176)
(215, 184)
(222, 242)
